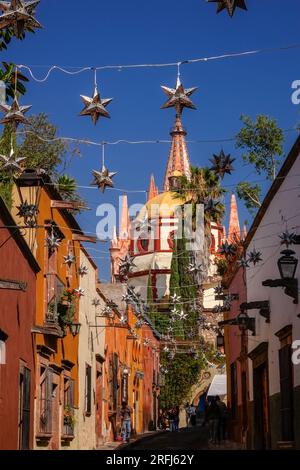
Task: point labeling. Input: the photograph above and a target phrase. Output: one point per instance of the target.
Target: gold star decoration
(14, 113)
(19, 16)
(230, 5)
(95, 106)
(178, 97)
(103, 179)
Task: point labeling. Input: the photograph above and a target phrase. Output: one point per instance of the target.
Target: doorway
(261, 407)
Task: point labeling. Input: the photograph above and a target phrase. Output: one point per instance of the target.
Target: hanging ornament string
(156, 65)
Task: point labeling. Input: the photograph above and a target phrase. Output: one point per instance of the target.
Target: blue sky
(96, 33)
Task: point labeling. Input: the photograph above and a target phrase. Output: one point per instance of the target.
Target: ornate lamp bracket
(290, 287)
(263, 307)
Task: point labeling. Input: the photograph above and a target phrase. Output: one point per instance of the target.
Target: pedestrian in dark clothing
(214, 421)
(193, 415)
(176, 422)
(172, 417)
(223, 418)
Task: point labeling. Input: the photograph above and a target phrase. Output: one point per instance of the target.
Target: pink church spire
(124, 220)
(178, 157)
(153, 190)
(234, 231)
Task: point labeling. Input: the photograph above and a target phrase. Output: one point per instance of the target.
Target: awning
(218, 386)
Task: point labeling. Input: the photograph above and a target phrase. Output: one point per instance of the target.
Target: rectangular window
(24, 408)
(68, 407)
(88, 390)
(45, 400)
(286, 388)
(2, 352)
(234, 391)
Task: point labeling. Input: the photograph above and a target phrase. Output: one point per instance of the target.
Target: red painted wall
(17, 311)
(151, 370)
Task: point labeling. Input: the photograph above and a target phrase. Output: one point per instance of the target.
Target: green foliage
(67, 186)
(6, 180)
(38, 152)
(183, 374)
(158, 319)
(8, 76)
(250, 194)
(262, 141)
(222, 266)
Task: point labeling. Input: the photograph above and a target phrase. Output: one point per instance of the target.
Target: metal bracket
(263, 307)
(290, 287)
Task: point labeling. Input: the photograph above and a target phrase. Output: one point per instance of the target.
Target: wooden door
(24, 409)
(261, 407)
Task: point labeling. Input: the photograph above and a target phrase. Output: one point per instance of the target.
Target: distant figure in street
(160, 421)
(193, 413)
(187, 414)
(223, 419)
(172, 418)
(126, 421)
(214, 421)
(206, 413)
(177, 413)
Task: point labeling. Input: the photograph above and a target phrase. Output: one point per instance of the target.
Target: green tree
(262, 142)
(250, 194)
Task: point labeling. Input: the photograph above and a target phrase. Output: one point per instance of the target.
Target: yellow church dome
(163, 205)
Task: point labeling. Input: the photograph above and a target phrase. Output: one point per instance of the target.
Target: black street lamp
(220, 340)
(287, 265)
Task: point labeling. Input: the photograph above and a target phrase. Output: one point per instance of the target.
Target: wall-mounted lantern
(287, 265)
(220, 340)
(75, 328)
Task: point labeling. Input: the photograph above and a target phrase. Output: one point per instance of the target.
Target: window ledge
(67, 437)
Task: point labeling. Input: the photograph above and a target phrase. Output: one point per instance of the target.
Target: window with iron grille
(69, 419)
(88, 390)
(45, 400)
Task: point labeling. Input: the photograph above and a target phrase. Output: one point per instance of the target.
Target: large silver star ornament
(178, 97)
(19, 16)
(69, 260)
(95, 106)
(14, 113)
(103, 179)
(11, 162)
(52, 242)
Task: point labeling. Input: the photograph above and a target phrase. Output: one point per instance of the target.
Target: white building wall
(283, 212)
(91, 343)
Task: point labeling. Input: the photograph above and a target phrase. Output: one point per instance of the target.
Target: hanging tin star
(19, 16)
(29, 213)
(96, 302)
(217, 309)
(103, 179)
(170, 329)
(69, 260)
(126, 264)
(127, 298)
(178, 97)
(173, 319)
(171, 355)
(193, 268)
(123, 320)
(146, 342)
(139, 324)
(174, 311)
(52, 242)
(182, 316)
(219, 290)
(243, 263)
(175, 298)
(210, 204)
(82, 270)
(108, 312)
(222, 164)
(80, 292)
(14, 113)
(227, 249)
(230, 5)
(287, 238)
(255, 257)
(166, 349)
(11, 162)
(95, 106)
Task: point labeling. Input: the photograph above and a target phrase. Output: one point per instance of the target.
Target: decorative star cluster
(103, 179)
(29, 213)
(126, 264)
(229, 5)
(222, 164)
(19, 16)
(178, 97)
(52, 242)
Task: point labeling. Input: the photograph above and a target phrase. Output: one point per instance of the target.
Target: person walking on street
(177, 413)
(172, 417)
(193, 411)
(126, 421)
(187, 414)
(223, 419)
(214, 421)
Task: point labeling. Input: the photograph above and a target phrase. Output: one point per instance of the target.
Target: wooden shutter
(88, 389)
(48, 401)
(25, 409)
(286, 388)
